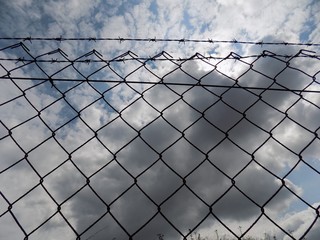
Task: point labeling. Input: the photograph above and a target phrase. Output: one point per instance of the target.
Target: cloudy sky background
(291, 21)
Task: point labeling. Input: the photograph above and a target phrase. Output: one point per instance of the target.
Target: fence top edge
(155, 40)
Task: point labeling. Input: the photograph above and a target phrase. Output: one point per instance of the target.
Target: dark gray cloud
(162, 157)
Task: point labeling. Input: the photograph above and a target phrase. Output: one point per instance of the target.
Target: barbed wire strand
(176, 40)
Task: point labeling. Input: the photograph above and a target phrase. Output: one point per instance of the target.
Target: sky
(71, 149)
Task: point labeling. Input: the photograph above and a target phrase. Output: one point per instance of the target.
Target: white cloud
(299, 222)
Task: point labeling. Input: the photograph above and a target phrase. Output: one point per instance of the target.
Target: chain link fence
(159, 147)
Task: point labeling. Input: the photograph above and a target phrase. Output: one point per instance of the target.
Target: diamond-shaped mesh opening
(247, 135)
(264, 115)
(25, 112)
(246, 99)
(270, 67)
(36, 203)
(13, 91)
(106, 226)
(158, 147)
(137, 157)
(263, 186)
(178, 212)
(47, 156)
(159, 227)
(276, 158)
(236, 206)
(200, 103)
(99, 157)
(10, 227)
(297, 79)
(255, 79)
(97, 114)
(183, 163)
(14, 187)
(66, 177)
(116, 135)
(207, 182)
(51, 115)
(309, 182)
(160, 97)
(81, 96)
(300, 113)
(308, 215)
(121, 96)
(51, 228)
(126, 210)
(159, 182)
(110, 182)
(180, 115)
(229, 158)
(280, 100)
(310, 154)
(49, 95)
(288, 133)
(204, 135)
(275, 203)
(160, 140)
(219, 79)
(73, 135)
(27, 134)
(222, 116)
(89, 206)
(139, 114)
(311, 97)
(11, 153)
(142, 73)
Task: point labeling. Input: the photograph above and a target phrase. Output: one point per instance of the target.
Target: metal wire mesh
(182, 125)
